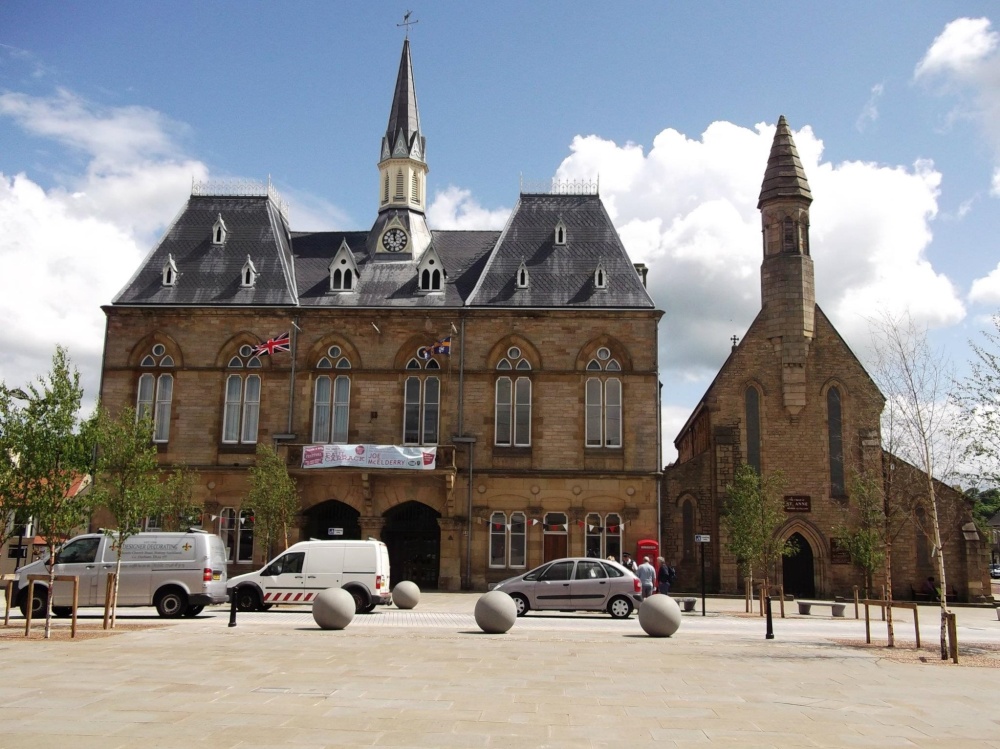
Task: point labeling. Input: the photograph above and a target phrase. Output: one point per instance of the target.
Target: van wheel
(38, 604)
(370, 607)
(194, 610)
(248, 599)
(62, 611)
(360, 600)
(171, 603)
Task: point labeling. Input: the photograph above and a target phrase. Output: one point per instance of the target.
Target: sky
(109, 111)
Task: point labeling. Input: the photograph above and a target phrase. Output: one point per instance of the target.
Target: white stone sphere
(495, 612)
(659, 616)
(406, 594)
(333, 608)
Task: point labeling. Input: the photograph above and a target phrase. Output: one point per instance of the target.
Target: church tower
(400, 231)
(787, 285)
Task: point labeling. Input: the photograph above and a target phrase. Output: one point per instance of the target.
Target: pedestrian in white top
(647, 575)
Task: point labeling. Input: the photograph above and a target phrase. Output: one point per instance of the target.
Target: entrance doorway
(798, 572)
(332, 519)
(413, 537)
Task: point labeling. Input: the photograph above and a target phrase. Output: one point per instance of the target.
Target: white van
(308, 567)
(179, 573)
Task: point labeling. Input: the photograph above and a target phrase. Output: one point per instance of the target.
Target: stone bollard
(333, 608)
(406, 594)
(659, 616)
(495, 612)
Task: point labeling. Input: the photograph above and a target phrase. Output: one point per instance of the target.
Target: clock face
(394, 240)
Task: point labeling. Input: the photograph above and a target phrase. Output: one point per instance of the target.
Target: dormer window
(248, 276)
(170, 272)
(600, 277)
(219, 231)
(521, 280)
(560, 233)
(430, 273)
(343, 270)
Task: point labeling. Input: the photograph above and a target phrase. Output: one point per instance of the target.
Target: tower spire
(784, 176)
(403, 131)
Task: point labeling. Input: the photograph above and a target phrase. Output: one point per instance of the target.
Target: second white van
(298, 575)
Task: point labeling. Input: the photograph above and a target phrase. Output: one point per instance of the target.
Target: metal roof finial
(407, 22)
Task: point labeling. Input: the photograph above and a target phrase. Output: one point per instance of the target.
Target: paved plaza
(430, 678)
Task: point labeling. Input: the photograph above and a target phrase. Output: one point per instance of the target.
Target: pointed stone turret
(787, 283)
(400, 231)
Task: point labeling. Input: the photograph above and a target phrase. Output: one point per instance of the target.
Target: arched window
(421, 405)
(687, 525)
(752, 405)
(156, 392)
(241, 412)
(603, 402)
(788, 239)
(513, 403)
(331, 399)
(835, 432)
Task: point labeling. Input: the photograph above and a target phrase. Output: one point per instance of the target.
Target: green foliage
(177, 510)
(985, 504)
(273, 497)
(753, 513)
(862, 535)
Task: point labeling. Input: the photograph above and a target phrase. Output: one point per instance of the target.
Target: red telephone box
(647, 547)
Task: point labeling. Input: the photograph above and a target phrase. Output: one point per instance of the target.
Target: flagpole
(291, 379)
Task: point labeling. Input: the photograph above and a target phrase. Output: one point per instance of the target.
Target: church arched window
(834, 421)
(751, 401)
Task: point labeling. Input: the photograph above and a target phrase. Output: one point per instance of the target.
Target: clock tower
(400, 231)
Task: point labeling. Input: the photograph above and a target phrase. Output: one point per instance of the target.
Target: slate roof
(784, 176)
(560, 275)
(480, 266)
(209, 274)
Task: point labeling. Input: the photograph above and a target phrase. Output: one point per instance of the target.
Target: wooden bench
(837, 609)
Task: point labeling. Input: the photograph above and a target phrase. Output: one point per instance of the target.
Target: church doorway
(332, 519)
(413, 536)
(798, 571)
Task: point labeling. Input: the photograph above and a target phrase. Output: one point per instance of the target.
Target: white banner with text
(369, 456)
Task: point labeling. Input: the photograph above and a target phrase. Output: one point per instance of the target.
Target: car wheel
(620, 607)
(521, 604)
(171, 603)
(38, 603)
(62, 611)
(194, 610)
(370, 608)
(360, 600)
(248, 599)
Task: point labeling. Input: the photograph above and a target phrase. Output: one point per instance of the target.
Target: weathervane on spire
(407, 22)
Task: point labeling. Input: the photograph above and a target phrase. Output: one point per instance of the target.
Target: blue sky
(107, 111)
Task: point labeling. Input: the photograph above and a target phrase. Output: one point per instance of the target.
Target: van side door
(282, 580)
(324, 569)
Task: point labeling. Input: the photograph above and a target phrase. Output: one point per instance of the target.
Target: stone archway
(332, 519)
(413, 536)
(798, 571)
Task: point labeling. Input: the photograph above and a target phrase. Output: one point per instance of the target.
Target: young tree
(753, 513)
(916, 382)
(128, 483)
(273, 497)
(862, 533)
(46, 449)
(978, 401)
(177, 509)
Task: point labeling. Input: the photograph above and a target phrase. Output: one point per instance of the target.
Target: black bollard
(232, 608)
(770, 624)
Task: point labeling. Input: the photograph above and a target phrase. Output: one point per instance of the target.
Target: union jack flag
(272, 346)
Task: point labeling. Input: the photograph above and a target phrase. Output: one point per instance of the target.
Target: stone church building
(482, 401)
(793, 398)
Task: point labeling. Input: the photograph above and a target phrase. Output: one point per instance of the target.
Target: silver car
(575, 584)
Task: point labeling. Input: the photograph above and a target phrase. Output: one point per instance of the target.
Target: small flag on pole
(272, 346)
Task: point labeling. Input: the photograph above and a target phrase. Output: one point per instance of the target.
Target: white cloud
(870, 112)
(965, 60)
(986, 290)
(688, 209)
(455, 208)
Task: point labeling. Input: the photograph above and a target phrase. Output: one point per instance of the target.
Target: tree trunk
(943, 595)
(114, 591)
(889, 630)
(51, 592)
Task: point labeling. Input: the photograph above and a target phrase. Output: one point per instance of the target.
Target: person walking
(665, 576)
(646, 574)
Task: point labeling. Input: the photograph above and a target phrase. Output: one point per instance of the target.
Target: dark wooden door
(798, 571)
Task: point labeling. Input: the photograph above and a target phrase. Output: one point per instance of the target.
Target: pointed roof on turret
(784, 176)
(404, 119)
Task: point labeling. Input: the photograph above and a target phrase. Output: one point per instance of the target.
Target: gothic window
(421, 404)
(788, 235)
(687, 524)
(430, 272)
(400, 194)
(835, 435)
(560, 233)
(603, 398)
(331, 399)
(600, 277)
(219, 231)
(752, 405)
(385, 189)
(513, 403)
(521, 279)
(241, 411)
(169, 276)
(415, 189)
(248, 276)
(155, 392)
